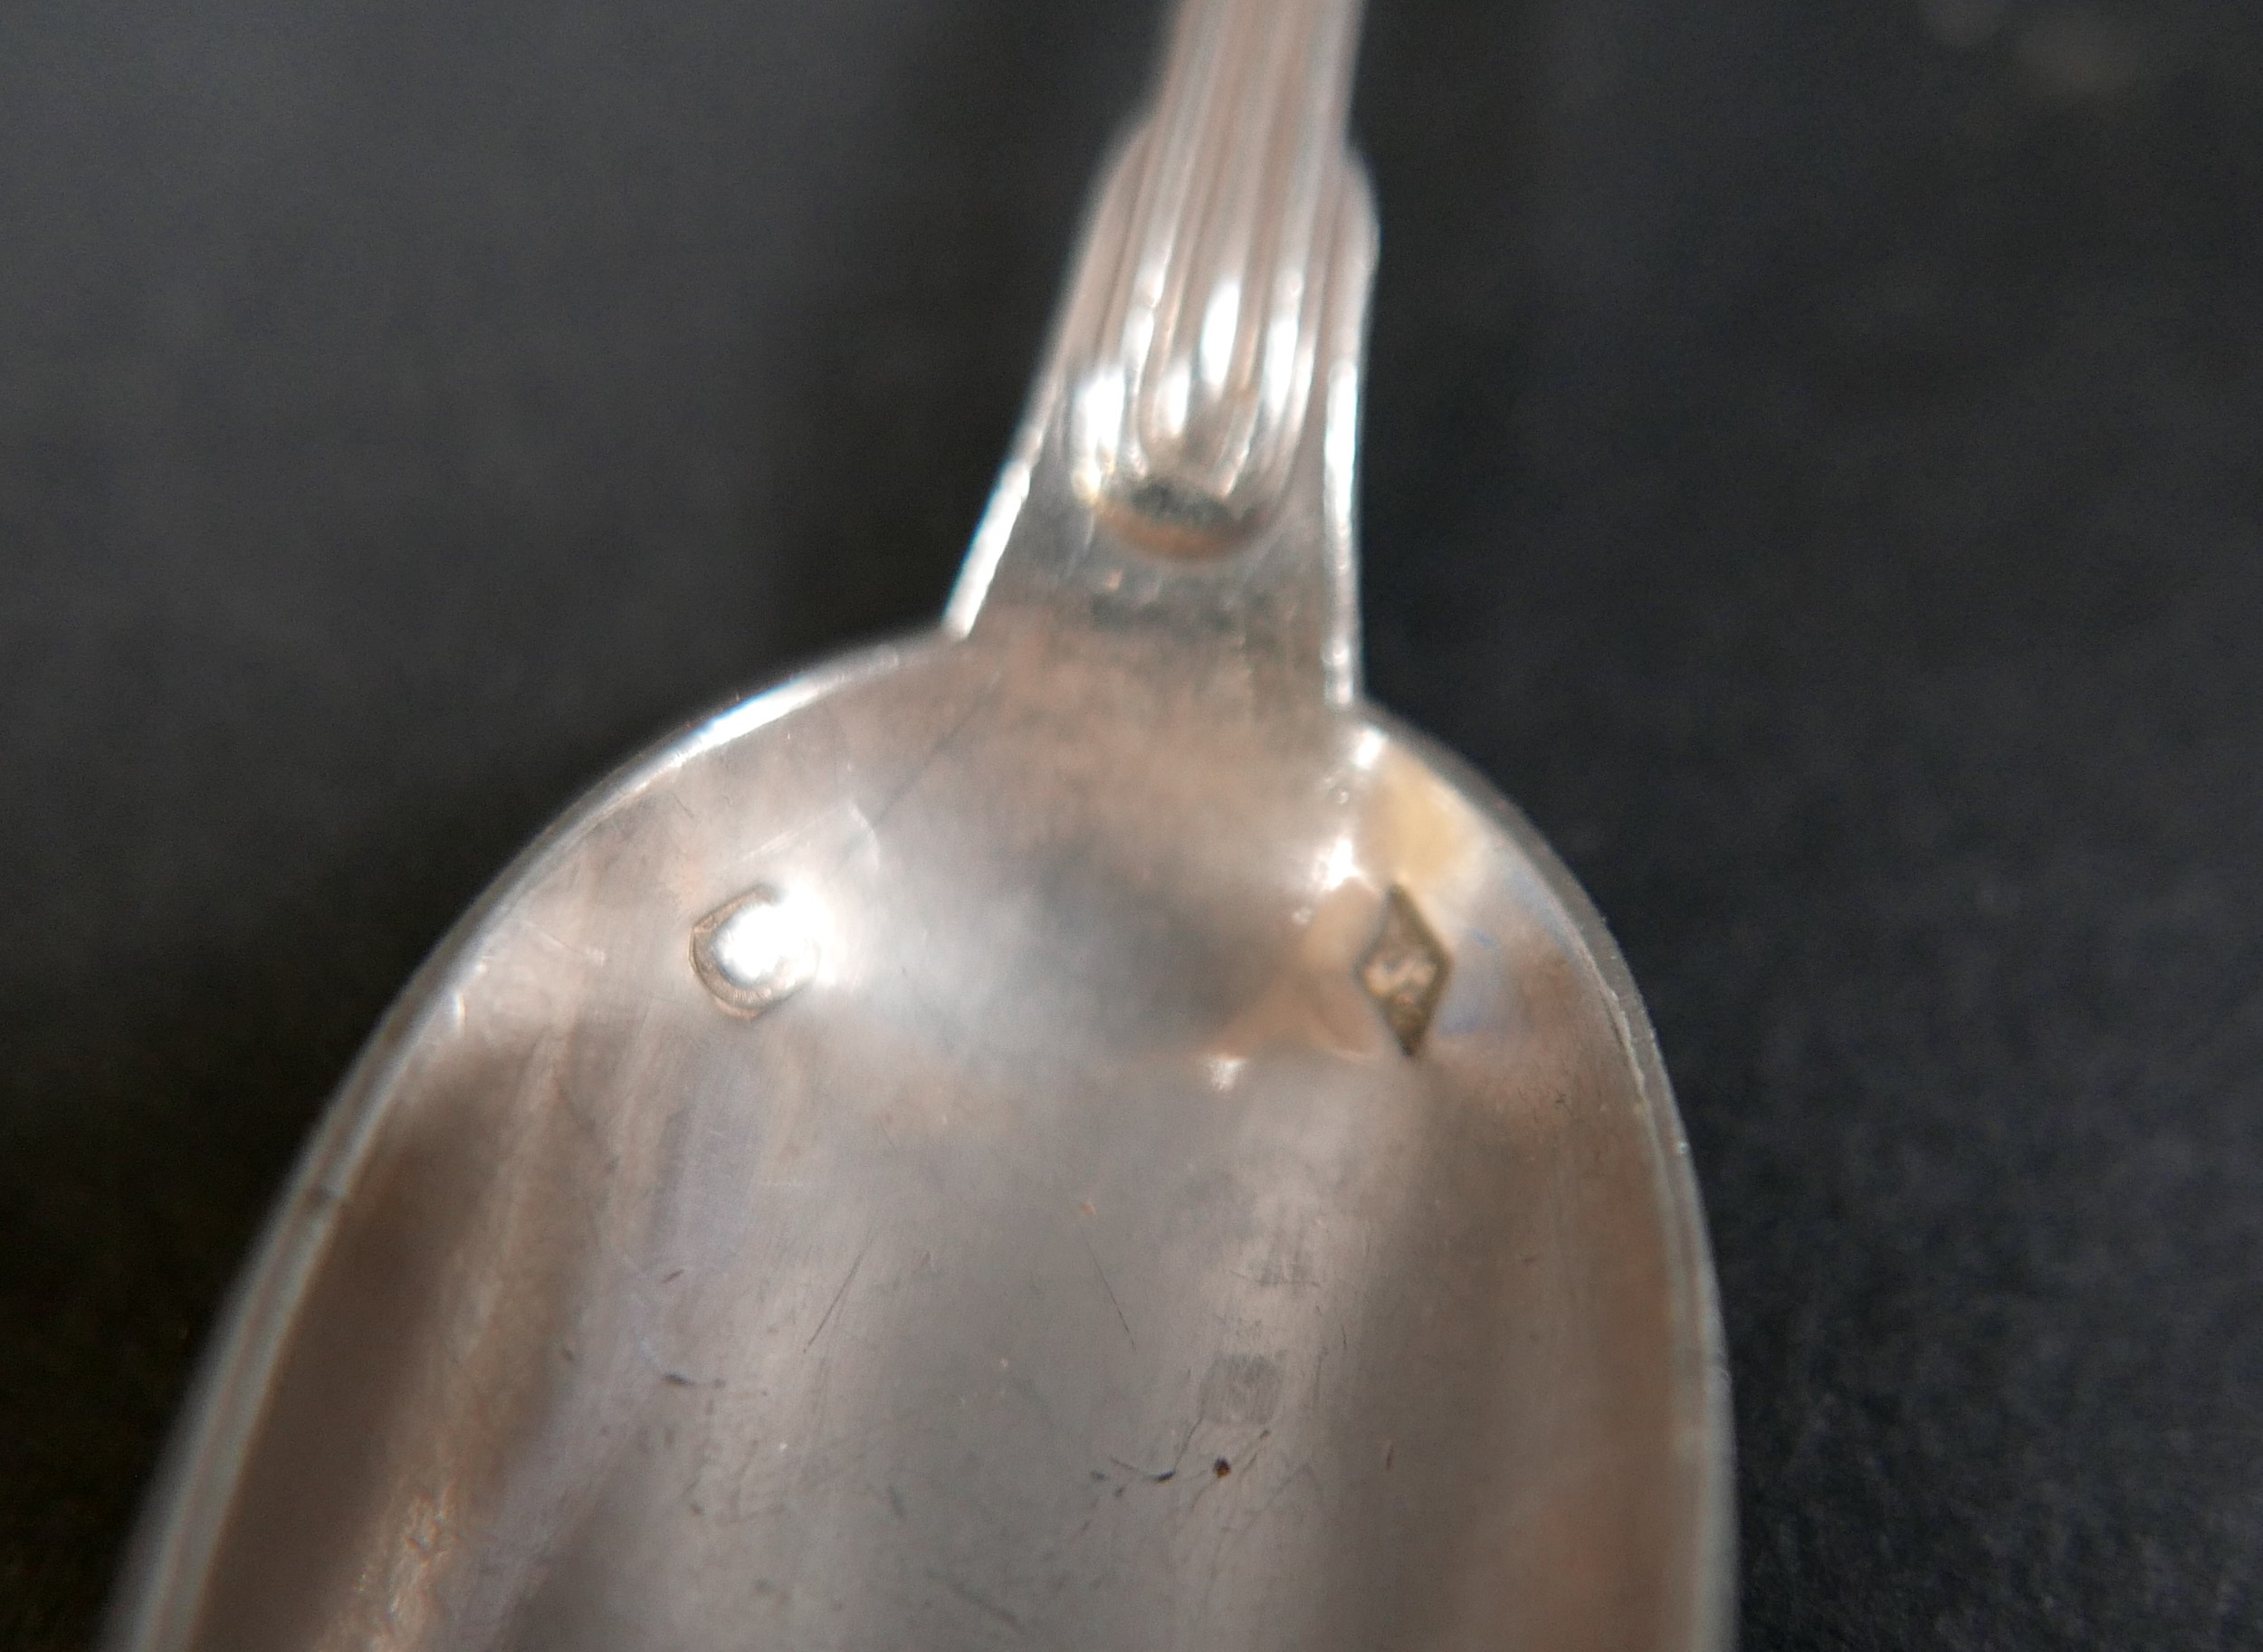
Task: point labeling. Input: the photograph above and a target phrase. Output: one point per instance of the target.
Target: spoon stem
(1192, 401)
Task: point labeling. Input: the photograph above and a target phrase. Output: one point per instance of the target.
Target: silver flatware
(1076, 1131)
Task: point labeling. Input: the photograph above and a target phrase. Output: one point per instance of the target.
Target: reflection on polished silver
(756, 950)
(1212, 1185)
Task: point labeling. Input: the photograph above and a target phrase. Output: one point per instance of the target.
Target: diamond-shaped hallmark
(754, 951)
(1405, 971)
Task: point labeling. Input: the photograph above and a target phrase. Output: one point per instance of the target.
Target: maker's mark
(755, 952)
(1405, 971)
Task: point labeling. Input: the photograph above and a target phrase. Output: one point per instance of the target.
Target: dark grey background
(1815, 462)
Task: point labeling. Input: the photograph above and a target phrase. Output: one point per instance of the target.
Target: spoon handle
(1185, 467)
(1190, 399)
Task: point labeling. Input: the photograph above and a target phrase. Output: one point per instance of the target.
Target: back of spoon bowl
(1078, 1258)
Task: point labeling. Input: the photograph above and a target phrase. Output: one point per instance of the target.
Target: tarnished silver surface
(1077, 1132)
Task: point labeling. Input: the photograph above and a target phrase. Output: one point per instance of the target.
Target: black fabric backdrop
(1814, 462)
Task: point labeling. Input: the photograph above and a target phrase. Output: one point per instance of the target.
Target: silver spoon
(1075, 1132)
